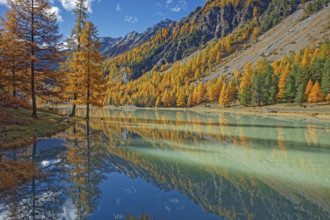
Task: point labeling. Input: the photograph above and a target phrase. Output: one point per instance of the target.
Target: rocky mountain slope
(112, 47)
(293, 33)
(108, 43)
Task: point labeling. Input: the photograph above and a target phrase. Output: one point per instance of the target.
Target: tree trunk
(13, 81)
(88, 94)
(74, 107)
(33, 94)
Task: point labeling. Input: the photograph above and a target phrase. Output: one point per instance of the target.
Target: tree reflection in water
(234, 166)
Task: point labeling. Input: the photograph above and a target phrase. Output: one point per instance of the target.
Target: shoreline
(311, 111)
(270, 110)
(19, 129)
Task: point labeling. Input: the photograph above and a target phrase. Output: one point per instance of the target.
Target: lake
(177, 165)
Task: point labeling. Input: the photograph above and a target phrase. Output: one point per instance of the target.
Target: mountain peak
(134, 39)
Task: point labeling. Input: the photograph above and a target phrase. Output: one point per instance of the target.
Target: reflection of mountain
(222, 164)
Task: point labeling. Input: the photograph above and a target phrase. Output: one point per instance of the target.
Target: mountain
(108, 43)
(113, 47)
(181, 65)
(211, 21)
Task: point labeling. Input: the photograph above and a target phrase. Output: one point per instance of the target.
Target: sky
(116, 18)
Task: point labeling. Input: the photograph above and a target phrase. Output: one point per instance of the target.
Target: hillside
(212, 21)
(145, 77)
(291, 34)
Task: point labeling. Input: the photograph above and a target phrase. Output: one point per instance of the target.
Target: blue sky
(116, 18)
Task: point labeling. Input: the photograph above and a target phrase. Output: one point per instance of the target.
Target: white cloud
(3, 2)
(131, 19)
(53, 9)
(118, 8)
(180, 6)
(57, 11)
(176, 9)
(69, 5)
(170, 6)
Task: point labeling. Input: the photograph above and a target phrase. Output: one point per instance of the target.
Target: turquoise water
(177, 165)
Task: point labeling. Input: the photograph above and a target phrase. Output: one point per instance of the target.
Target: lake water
(177, 165)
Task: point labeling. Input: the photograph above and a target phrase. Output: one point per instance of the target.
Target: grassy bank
(17, 128)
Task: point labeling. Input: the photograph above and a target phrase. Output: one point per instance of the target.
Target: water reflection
(233, 166)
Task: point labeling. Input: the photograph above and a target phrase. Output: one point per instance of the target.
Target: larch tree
(309, 87)
(90, 79)
(218, 57)
(197, 73)
(38, 29)
(190, 101)
(255, 33)
(224, 96)
(200, 93)
(158, 102)
(316, 94)
(246, 84)
(181, 101)
(236, 75)
(74, 43)
(327, 98)
(13, 53)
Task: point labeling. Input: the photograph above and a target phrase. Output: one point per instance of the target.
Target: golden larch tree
(224, 98)
(38, 29)
(158, 102)
(218, 57)
(74, 44)
(283, 78)
(316, 94)
(13, 52)
(181, 101)
(90, 78)
(309, 87)
(327, 98)
(255, 33)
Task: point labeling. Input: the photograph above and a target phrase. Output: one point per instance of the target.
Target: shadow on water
(232, 166)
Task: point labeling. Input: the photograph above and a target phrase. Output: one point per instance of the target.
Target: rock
(125, 79)
(269, 111)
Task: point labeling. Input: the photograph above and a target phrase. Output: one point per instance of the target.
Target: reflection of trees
(86, 159)
(41, 198)
(156, 146)
(262, 143)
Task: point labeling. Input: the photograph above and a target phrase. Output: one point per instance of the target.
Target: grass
(18, 128)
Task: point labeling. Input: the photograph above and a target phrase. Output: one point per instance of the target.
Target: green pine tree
(245, 97)
(325, 81)
(257, 88)
(300, 97)
(290, 88)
